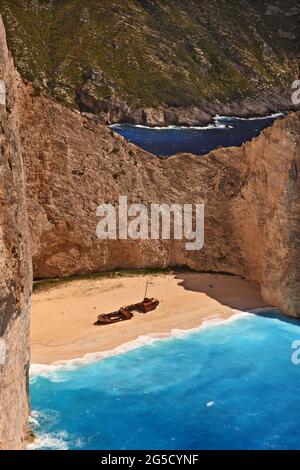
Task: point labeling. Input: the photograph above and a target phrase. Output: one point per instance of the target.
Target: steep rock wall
(250, 193)
(15, 265)
(72, 164)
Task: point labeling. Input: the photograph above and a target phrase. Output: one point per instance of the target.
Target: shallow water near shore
(166, 141)
(227, 386)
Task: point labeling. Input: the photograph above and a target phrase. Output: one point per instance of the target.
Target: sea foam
(255, 118)
(49, 370)
(217, 124)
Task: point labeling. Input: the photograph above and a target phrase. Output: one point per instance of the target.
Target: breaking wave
(206, 392)
(50, 370)
(60, 440)
(219, 123)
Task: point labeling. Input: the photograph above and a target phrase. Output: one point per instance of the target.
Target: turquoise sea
(227, 386)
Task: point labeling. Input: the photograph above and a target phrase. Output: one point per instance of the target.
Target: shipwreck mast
(146, 289)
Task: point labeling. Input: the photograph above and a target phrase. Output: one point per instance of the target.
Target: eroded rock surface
(250, 195)
(15, 265)
(72, 164)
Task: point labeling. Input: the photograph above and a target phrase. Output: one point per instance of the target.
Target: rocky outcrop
(114, 110)
(15, 264)
(250, 193)
(155, 62)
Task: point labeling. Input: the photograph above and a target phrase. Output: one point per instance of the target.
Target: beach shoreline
(62, 327)
(140, 341)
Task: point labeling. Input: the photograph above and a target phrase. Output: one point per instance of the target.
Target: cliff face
(250, 193)
(72, 164)
(15, 265)
(158, 62)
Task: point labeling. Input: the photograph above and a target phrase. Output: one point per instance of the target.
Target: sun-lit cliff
(57, 166)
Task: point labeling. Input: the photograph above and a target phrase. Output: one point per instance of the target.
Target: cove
(166, 141)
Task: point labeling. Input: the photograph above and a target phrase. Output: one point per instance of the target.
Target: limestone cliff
(251, 196)
(15, 265)
(72, 164)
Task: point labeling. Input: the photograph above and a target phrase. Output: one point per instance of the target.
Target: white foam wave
(55, 441)
(50, 371)
(33, 421)
(217, 124)
(59, 440)
(255, 118)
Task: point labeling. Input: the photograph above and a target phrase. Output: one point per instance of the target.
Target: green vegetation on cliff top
(154, 52)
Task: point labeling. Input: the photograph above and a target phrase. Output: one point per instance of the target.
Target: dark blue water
(166, 141)
(231, 386)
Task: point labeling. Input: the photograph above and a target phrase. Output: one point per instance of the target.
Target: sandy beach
(63, 316)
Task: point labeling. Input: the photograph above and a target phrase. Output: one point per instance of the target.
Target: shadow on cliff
(229, 290)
